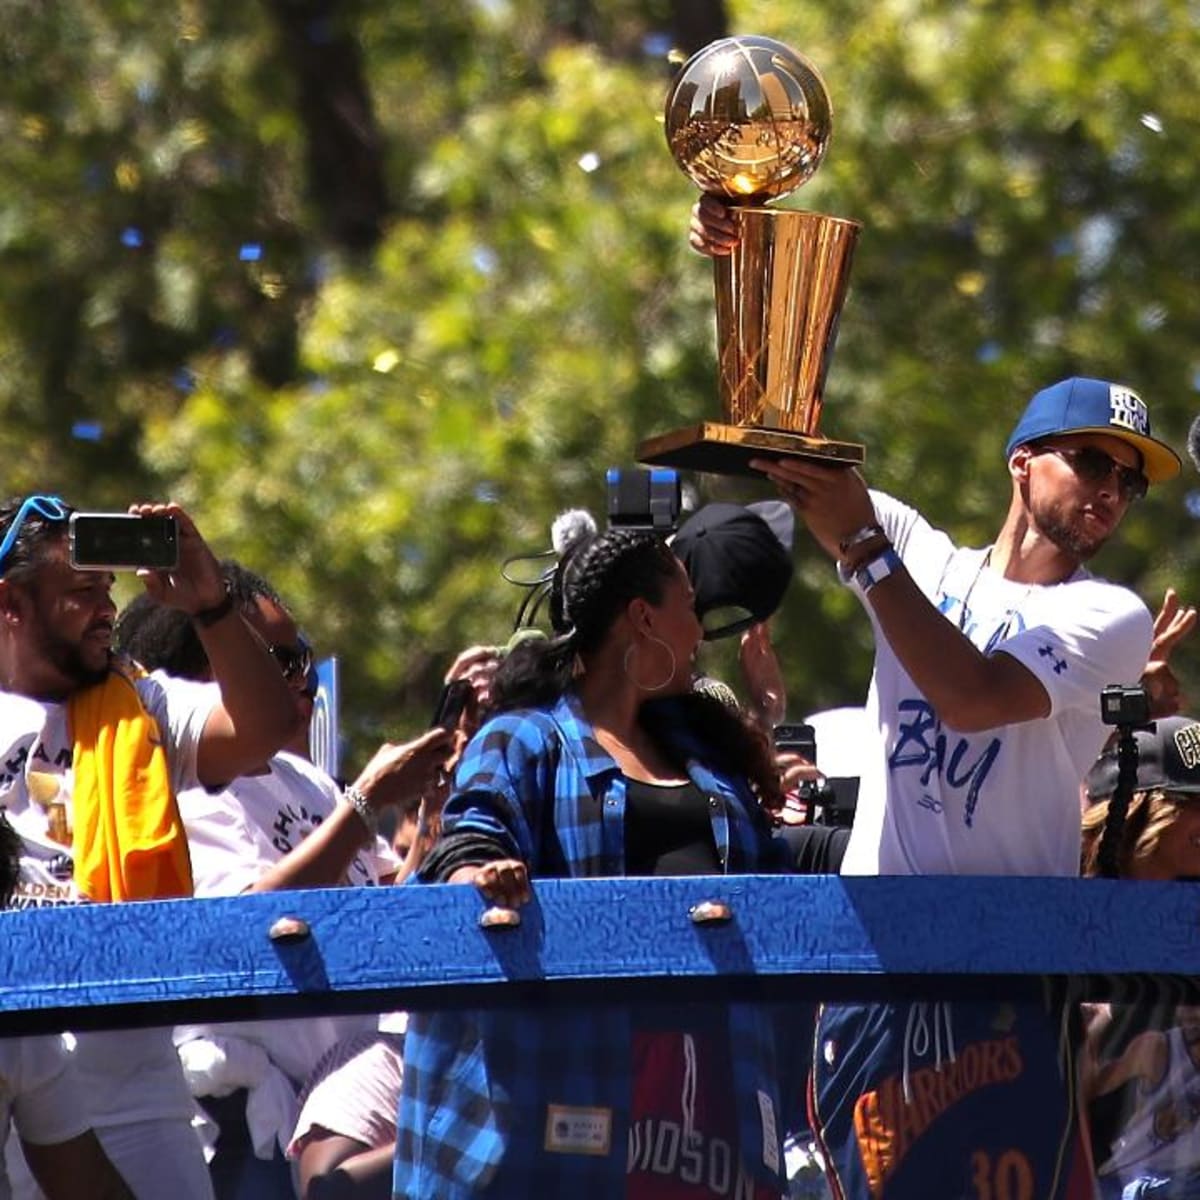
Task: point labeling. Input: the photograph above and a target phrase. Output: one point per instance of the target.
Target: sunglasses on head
(1094, 465)
(294, 661)
(51, 508)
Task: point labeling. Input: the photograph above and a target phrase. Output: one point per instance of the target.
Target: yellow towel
(129, 841)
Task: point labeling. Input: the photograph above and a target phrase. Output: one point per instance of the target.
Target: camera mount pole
(1108, 856)
(1128, 709)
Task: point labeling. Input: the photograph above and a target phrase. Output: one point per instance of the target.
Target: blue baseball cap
(1080, 405)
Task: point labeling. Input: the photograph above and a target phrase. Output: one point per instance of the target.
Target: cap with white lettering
(1081, 405)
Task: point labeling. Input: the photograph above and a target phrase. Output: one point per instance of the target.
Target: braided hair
(596, 578)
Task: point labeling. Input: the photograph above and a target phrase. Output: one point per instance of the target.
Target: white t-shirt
(36, 776)
(236, 834)
(1003, 801)
(129, 1075)
(39, 1091)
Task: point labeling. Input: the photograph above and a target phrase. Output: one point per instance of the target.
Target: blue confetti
(250, 251)
(484, 260)
(988, 352)
(1192, 503)
(87, 431)
(657, 45)
(131, 236)
(184, 380)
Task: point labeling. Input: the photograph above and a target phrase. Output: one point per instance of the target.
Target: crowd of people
(162, 752)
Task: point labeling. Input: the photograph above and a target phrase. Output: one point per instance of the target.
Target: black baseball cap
(739, 560)
(1168, 760)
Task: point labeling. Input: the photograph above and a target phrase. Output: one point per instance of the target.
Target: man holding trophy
(988, 668)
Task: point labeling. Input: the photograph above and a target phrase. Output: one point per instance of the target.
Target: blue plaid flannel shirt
(477, 1085)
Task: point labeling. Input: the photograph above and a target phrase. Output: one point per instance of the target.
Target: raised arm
(395, 773)
(969, 690)
(256, 715)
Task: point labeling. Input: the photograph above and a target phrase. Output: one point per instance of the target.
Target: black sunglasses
(294, 661)
(1093, 465)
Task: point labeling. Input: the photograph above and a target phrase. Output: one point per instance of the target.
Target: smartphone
(800, 739)
(450, 704)
(122, 542)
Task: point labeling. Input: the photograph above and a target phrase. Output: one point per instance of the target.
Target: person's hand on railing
(504, 882)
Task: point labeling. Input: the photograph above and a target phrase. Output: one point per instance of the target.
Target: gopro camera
(1124, 704)
(122, 542)
(644, 497)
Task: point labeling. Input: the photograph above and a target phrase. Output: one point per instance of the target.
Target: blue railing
(371, 949)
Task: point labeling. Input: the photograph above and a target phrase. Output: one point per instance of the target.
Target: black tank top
(667, 830)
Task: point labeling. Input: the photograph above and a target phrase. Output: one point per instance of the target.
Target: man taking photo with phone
(92, 753)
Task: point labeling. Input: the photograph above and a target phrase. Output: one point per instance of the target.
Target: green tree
(377, 419)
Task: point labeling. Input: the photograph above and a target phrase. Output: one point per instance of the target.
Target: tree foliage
(377, 289)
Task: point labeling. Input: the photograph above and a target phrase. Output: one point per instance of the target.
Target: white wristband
(877, 569)
(361, 805)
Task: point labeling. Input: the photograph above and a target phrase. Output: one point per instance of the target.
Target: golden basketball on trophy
(748, 120)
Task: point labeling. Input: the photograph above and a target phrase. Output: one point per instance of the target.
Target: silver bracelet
(361, 805)
(865, 534)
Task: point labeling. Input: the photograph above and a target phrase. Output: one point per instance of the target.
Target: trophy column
(748, 119)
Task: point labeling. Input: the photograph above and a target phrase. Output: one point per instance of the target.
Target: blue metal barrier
(373, 949)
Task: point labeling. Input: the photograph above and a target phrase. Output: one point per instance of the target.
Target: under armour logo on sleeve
(1048, 651)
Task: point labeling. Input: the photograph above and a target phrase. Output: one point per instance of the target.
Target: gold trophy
(748, 120)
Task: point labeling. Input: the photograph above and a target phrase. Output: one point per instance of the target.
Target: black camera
(1124, 704)
(644, 497)
(829, 800)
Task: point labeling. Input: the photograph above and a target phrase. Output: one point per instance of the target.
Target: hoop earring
(642, 687)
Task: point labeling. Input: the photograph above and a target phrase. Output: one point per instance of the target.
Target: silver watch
(361, 805)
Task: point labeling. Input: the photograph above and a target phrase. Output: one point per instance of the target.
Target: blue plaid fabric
(478, 1085)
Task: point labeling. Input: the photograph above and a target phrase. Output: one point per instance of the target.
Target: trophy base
(728, 449)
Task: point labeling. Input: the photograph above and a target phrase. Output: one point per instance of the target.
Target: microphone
(1193, 443)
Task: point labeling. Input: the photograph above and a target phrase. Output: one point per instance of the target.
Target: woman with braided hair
(599, 760)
